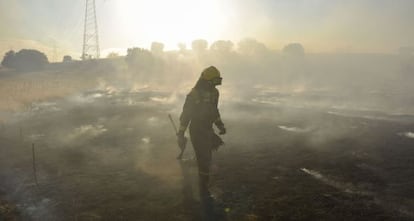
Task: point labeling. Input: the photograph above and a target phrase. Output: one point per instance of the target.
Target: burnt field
(111, 155)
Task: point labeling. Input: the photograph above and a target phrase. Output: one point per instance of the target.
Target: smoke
(107, 120)
(407, 134)
(88, 131)
(345, 187)
(293, 129)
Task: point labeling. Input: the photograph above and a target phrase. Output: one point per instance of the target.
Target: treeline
(247, 63)
(250, 61)
(247, 58)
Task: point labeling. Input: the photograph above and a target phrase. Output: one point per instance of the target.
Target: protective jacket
(200, 108)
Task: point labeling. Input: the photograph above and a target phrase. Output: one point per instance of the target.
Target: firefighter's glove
(222, 130)
(181, 140)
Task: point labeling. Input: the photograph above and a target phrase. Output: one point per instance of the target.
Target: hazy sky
(320, 25)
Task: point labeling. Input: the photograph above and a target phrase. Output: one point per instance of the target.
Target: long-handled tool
(180, 145)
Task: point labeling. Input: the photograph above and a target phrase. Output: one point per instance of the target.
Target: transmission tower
(90, 34)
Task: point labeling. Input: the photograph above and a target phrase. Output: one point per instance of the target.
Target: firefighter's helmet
(211, 74)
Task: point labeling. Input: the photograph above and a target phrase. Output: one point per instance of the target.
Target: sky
(359, 26)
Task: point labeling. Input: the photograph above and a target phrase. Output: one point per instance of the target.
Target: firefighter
(200, 112)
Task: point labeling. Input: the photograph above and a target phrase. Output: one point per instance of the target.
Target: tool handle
(180, 156)
(176, 131)
(173, 124)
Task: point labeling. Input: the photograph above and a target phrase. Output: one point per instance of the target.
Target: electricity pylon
(90, 34)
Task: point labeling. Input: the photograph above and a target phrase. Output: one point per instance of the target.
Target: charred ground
(110, 155)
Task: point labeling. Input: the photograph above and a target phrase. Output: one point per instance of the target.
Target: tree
(8, 59)
(25, 60)
(139, 58)
(182, 47)
(251, 47)
(294, 50)
(222, 46)
(199, 45)
(157, 48)
(294, 63)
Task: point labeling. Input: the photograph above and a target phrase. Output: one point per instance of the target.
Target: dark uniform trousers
(201, 140)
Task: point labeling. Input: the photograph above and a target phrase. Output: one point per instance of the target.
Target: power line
(90, 34)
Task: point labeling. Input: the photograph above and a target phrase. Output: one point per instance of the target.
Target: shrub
(25, 60)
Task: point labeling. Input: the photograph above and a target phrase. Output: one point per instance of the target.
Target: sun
(172, 22)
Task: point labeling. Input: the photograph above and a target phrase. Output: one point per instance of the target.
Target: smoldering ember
(306, 120)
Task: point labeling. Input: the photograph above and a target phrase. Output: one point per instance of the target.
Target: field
(104, 152)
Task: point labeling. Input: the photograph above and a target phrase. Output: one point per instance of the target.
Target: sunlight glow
(172, 22)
